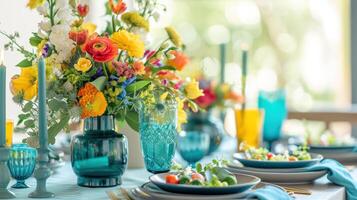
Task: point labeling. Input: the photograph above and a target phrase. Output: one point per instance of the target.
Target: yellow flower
(25, 84)
(174, 36)
(90, 27)
(83, 65)
(92, 101)
(32, 4)
(135, 19)
(129, 42)
(40, 47)
(192, 90)
(181, 114)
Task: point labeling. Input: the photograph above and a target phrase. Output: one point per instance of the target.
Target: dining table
(63, 182)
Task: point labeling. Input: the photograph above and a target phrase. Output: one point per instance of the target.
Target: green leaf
(137, 86)
(25, 63)
(35, 40)
(57, 127)
(27, 107)
(132, 118)
(22, 118)
(99, 82)
(30, 123)
(56, 105)
(155, 70)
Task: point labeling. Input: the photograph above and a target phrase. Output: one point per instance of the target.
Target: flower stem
(105, 71)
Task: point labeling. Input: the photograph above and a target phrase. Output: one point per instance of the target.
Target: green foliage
(132, 118)
(24, 63)
(57, 127)
(35, 40)
(135, 87)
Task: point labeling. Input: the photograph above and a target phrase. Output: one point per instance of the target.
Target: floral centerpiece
(92, 73)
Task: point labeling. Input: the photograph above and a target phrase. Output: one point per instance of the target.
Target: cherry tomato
(172, 179)
(269, 155)
(197, 176)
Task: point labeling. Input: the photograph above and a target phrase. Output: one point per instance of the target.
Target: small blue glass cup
(21, 163)
(193, 146)
(275, 111)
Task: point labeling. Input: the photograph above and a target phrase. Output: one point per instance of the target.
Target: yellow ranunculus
(83, 65)
(25, 84)
(32, 4)
(129, 42)
(90, 27)
(181, 114)
(192, 90)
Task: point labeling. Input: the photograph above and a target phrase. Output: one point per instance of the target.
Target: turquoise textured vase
(21, 163)
(158, 123)
(100, 155)
(206, 123)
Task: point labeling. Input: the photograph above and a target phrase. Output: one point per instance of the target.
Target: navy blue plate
(245, 182)
(332, 149)
(241, 157)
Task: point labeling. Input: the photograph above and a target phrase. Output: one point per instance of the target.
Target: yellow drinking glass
(249, 127)
(9, 132)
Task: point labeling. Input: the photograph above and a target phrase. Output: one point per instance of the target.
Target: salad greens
(263, 154)
(210, 175)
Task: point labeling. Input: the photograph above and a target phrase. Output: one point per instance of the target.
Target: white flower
(64, 45)
(68, 86)
(42, 10)
(45, 25)
(61, 4)
(41, 33)
(144, 36)
(156, 16)
(57, 72)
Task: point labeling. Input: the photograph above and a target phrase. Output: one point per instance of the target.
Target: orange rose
(101, 49)
(179, 61)
(169, 75)
(80, 37)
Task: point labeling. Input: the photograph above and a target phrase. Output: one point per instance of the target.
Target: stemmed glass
(22, 162)
(193, 146)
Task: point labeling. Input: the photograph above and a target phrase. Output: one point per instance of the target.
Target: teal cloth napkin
(269, 193)
(338, 175)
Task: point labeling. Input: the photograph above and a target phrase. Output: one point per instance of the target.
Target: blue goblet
(193, 146)
(21, 163)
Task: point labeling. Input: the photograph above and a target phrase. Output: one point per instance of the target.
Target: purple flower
(46, 50)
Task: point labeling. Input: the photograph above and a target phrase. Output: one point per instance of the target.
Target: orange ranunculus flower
(118, 7)
(139, 68)
(101, 49)
(80, 37)
(82, 10)
(234, 97)
(92, 101)
(179, 61)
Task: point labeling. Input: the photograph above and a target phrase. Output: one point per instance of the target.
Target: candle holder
(5, 174)
(42, 173)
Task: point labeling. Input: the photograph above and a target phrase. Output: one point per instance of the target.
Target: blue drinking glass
(193, 146)
(158, 123)
(275, 112)
(21, 163)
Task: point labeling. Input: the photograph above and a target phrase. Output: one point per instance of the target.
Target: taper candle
(222, 55)
(2, 100)
(42, 104)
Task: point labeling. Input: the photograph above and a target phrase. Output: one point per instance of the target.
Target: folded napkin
(338, 175)
(269, 193)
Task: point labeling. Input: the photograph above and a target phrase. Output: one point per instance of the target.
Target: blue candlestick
(42, 172)
(222, 52)
(2, 104)
(42, 104)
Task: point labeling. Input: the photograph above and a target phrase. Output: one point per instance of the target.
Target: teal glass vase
(158, 123)
(206, 123)
(21, 163)
(99, 156)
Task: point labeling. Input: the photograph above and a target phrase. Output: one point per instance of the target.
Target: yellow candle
(9, 132)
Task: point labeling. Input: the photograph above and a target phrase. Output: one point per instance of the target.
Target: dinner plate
(342, 157)
(282, 177)
(272, 170)
(331, 149)
(245, 182)
(241, 157)
(151, 191)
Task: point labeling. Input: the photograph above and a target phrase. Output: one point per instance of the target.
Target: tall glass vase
(100, 155)
(158, 123)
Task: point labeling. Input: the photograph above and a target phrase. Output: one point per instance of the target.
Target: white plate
(283, 178)
(271, 170)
